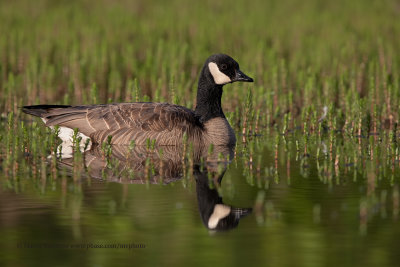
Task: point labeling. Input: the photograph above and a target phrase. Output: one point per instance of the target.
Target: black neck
(209, 95)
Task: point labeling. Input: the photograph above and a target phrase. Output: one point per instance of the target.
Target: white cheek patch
(220, 212)
(219, 77)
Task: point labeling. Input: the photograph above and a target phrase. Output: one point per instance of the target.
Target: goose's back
(163, 122)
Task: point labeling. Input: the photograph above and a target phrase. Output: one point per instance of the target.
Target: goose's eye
(224, 67)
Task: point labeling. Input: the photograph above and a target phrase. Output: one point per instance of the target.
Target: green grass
(303, 55)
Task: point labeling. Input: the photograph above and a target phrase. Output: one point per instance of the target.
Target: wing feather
(128, 121)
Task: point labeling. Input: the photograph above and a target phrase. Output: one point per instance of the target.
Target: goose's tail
(41, 110)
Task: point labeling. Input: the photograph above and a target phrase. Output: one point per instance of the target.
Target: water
(278, 207)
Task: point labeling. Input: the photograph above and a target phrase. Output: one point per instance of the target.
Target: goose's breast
(219, 132)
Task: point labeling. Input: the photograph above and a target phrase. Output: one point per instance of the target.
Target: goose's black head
(224, 69)
(218, 70)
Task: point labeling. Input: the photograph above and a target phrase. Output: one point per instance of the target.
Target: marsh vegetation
(317, 155)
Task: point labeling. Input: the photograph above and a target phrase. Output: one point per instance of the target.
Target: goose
(165, 123)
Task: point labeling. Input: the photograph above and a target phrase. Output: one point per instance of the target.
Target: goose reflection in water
(163, 165)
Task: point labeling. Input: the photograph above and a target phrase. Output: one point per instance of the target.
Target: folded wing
(125, 122)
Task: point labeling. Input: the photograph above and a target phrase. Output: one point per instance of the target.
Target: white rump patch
(67, 144)
(219, 77)
(220, 212)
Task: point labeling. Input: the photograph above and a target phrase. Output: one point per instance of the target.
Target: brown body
(167, 124)
(125, 122)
